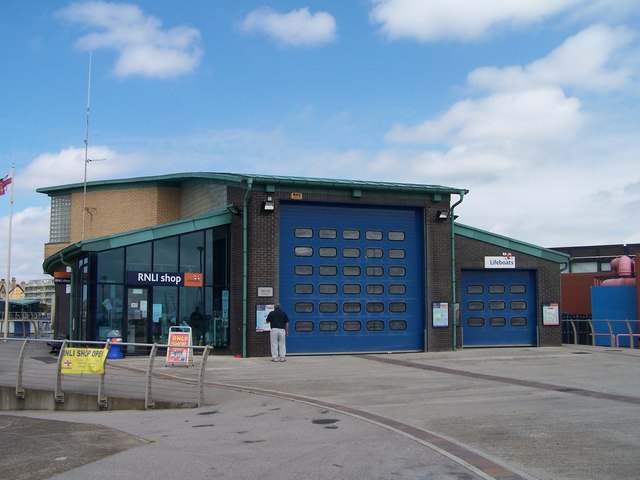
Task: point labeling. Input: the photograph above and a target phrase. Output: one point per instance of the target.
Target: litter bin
(114, 338)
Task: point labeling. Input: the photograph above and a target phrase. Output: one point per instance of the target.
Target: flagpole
(7, 281)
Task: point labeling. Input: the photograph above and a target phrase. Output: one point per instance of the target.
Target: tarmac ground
(570, 412)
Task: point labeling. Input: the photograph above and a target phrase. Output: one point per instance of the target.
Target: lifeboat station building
(358, 266)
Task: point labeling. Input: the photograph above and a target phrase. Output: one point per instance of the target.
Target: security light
(268, 205)
(442, 215)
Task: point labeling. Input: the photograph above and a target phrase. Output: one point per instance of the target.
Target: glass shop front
(144, 289)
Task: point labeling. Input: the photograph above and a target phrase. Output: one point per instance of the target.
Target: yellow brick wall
(119, 210)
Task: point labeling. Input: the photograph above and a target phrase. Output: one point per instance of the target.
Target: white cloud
(67, 167)
(296, 28)
(591, 59)
(431, 20)
(527, 116)
(538, 167)
(144, 47)
(29, 232)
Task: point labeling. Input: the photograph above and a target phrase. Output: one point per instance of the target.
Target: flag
(4, 183)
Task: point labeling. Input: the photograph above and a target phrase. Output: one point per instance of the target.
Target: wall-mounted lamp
(268, 205)
(442, 215)
(234, 210)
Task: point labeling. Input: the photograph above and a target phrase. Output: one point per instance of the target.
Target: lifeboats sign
(507, 260)
(165, 279)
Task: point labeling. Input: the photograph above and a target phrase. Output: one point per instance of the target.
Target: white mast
(7, 282)
(86, 151)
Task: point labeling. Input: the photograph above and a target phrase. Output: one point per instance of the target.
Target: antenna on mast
(86, 150)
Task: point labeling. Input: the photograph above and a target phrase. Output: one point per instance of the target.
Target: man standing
(279, 322)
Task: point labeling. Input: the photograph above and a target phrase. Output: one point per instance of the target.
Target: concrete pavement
(546, 413)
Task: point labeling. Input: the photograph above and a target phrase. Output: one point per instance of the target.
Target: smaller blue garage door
(498, 308)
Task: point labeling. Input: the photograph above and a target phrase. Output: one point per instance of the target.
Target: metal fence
(31, 364)
(612, 333)
(27, 324)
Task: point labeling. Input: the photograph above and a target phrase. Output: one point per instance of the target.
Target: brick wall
(439, 281)
(263, 251)
(470, 254)
(113, 211)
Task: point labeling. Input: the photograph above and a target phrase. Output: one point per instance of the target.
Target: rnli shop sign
(507, 260)
(165, 279)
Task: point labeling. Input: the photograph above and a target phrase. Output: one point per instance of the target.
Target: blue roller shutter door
(351, 278)
(499, 307)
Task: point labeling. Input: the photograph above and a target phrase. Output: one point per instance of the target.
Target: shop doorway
(137, 318)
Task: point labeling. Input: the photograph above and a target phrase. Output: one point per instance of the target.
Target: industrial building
(359, 266)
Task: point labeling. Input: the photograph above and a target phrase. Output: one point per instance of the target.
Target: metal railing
(27, 324)
(37, 365)
(613, 330)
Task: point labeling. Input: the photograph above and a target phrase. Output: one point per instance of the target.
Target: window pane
(304, 326)
(303, 251)
(397, 289)
(497, 321)
(328, 307)
(165, 255)
(497, 305)
(351, 307)
(518, 305)
(328, 326)
(304, 307)
(375, 325)
(373, 235)
(328, 288)
(304, 288)
(475, 289)
(499, 289)
(397, 271)
(351, 326)
(304, 270)
(328, 252)
(397, 253)
(476, 322)
(328, 270)
(350, 234)
(327, 233)
(139, 257)
(374, 253)
(351, 252)
(398, 325)
(375, 307)
(475, 305)
(303, 233)
(166, 304)
(518, 321)
(192, 252)
(110, 266)
(375, 289)
(396, 236)
(351, 270)
(351, 289)
(60, 220)
(111, 318)
(517, 289)
(397, 307)
(375, 271)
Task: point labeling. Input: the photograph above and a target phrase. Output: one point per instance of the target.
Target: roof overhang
(511, 244)
(212, 219)
(269, 182)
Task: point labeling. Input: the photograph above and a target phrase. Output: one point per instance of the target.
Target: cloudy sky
(531, 105)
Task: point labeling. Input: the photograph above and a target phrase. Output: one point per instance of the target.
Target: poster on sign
(83, 360)
(179, 349)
